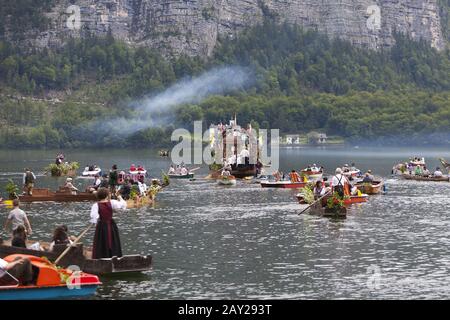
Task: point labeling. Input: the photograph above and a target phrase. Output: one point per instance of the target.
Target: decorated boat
(285, 184)
(50, 282)
(374, 187)
(423, 178)
(323, 211)
(237, 147)
(61, 195)
(91, 172)
(148, 199)
(82, 257)
(64, 169)
(226, 180)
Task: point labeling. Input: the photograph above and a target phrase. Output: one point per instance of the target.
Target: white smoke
(159, 109)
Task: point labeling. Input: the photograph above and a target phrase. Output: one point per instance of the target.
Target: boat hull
(355, 199)
(370, 188)
(283, 184)
(226, 181)
(77, 256)
(44, 195)
(319, 210)
(430, 179)
(53, 292)
(179, 176)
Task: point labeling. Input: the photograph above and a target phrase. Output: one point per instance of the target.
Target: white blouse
(115, 204)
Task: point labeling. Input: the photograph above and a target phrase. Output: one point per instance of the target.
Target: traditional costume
(106, 238)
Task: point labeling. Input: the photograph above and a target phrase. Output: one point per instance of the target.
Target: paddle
(315, 202)
(195, 169)
(73, 244)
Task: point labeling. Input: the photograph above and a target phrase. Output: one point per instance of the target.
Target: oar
(74, 243)
(315, 202)
(195, 169)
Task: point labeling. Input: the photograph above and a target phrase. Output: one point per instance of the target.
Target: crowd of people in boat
(341, 184)
(116, 181)
(179, 169)
(416, 166)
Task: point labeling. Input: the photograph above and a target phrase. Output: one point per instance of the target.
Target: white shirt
(97, 182)
(171, 170)
(142, 188)
(184, 171)
(115, 204)
(335, 181)
(17, 217)
(438, 174)
(3, 265)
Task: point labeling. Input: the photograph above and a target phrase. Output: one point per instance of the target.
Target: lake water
(216, 242)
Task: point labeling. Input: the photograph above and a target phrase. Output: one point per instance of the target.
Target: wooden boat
(181, 176)
(356, 199)
(373, 187)
(50, 282)
(422, 178)
(61, 195)
(319, 210)
(283, 184)
(81, 257)
(226, 180)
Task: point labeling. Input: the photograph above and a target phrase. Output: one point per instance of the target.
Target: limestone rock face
(192, 26)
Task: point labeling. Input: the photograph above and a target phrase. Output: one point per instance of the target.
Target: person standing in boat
(106, 238)
(17, 217)
(28, 181)
(113, 179)
(340, 183)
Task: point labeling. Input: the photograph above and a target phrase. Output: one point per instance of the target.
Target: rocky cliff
(193, 26)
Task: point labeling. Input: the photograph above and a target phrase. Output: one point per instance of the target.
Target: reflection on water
(210, 241)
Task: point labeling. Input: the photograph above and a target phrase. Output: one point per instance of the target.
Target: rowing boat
(61, 195)
(283, 184)
(81, 256)
(422, 178)
(373, 187)
(181, 176)
(356, 199)
(50, 282)
(226, 180)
